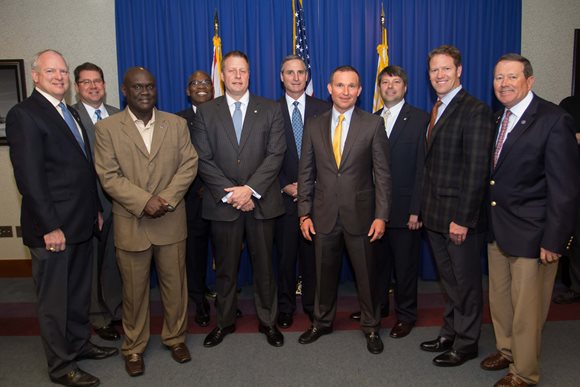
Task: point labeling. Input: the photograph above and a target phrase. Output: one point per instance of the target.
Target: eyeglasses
(87, 82)
(195, 82)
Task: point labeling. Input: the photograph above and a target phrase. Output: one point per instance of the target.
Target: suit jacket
(358, 191)
(289, 172)
(90, 128)
(407, 149)
(456, 165)
(131, 176)
(535, 184)
(57, 181)
(196, 187)
(255, 162)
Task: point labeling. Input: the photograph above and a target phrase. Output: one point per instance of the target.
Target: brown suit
(343, 202)
(131, 176)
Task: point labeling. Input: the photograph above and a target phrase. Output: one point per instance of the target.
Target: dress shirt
(445, 100)
(345, 125)
(517, 111)
(55, 103)
(194, 108)
(243, 107)
(146, 131)
(395, 110)
(91, 112)
(301, 105)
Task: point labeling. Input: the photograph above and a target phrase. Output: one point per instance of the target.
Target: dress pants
(198, 230)
(290, 248)
(398, 257)
(459, 270)
(520, 291)
(63, 288)
(329, 249)
(135, 269)
(228, 238)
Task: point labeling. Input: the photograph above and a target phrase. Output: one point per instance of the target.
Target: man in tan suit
(146, 162)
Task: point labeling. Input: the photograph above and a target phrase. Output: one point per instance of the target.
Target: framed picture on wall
(12, 90)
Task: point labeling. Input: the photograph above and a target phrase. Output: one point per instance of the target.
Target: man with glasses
(106, 291)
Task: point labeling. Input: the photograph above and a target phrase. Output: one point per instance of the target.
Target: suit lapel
(448, 112)
(249, 120)
(159, 132)
(128, 127)
(290, 140)
(520, 127)
(353, 133)
(399, 126)
(225, 116)
(87, 122)
(326, 138)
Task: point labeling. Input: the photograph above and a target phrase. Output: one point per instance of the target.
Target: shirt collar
(519, 108)
(395, 109)
(446, 99)
(55, 102)
(347, 115)
(245, 99)
(135, 119)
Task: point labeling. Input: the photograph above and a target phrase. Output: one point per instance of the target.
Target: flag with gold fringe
(383, 51)
(300, 41)
(216, 71)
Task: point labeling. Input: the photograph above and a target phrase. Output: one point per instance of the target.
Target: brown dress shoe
(401, 329)
(510, 380)
(180, 353)
(495, 362)
(134, 364)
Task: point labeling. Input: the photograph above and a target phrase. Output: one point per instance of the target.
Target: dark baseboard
(15, 268)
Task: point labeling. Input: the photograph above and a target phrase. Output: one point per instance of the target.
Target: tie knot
(62, 105)
(98, 114)
(238, 104)
(295, 103)
(386, 113)
(438, 103)
(340, 119)
(508, 113)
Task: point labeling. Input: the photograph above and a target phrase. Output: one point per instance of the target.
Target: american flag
(300, 41)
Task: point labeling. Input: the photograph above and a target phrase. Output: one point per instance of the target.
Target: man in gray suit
(344, 194)
(107, 289)
(241, 144)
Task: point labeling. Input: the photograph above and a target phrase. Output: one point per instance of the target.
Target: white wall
(84, 30)
(548, 42)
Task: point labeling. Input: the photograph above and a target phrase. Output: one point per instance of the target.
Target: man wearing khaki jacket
(146, 162)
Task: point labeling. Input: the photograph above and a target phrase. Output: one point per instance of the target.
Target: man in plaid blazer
(458, 143)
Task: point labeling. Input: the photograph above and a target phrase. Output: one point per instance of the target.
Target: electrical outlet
(6, 232)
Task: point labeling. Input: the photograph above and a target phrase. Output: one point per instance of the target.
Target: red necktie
(433, 119)
(502, 136)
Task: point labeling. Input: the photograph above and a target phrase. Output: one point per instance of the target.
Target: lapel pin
(523, 122)
(405, 119)
(255, 112)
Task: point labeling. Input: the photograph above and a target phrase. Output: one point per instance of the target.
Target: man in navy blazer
(297, 109)
(399, 249)
(54, 172)
(240, 140)
(533, 192)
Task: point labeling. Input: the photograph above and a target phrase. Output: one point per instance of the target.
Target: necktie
(297, 127)
(433, 119)
(237, 118)
(386, 116)
(502, 136)
(336, 140)
(98, 114)
(70, 121)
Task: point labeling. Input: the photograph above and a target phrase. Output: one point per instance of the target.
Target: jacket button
(492, 182)
(493, 204)
(238, 161)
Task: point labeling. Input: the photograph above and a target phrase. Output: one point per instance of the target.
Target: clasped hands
(240, 198)
(156, 207)
(376, 231)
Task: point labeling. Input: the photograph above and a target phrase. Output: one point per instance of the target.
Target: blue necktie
(237, 118)
(98, 114)
(70, 121)
(297, 127)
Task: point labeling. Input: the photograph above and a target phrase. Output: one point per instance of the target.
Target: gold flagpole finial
(216, 23)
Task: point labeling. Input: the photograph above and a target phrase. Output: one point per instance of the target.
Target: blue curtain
(172, 38)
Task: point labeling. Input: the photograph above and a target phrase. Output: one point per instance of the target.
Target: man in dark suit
(240, 140)
(297, 109)
(533, 200)
(199, 90)
(107, 289)
(344, 194)
(458, 138)
(146, 163)
(54, 172)
(399, 250)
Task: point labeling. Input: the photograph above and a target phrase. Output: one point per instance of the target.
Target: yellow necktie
(336, 140)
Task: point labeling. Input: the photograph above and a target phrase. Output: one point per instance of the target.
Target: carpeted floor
(245, 359)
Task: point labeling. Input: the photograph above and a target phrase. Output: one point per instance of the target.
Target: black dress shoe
(108, 332)
(401, 329)
(312, 334)
(217, 335)
(440, 344)
(210, 294)
(202, 313)
(285, 320)
(239, 313)
(77, 378)
(96, 352)
(374, 343)
(273, 335)
(453, 358)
